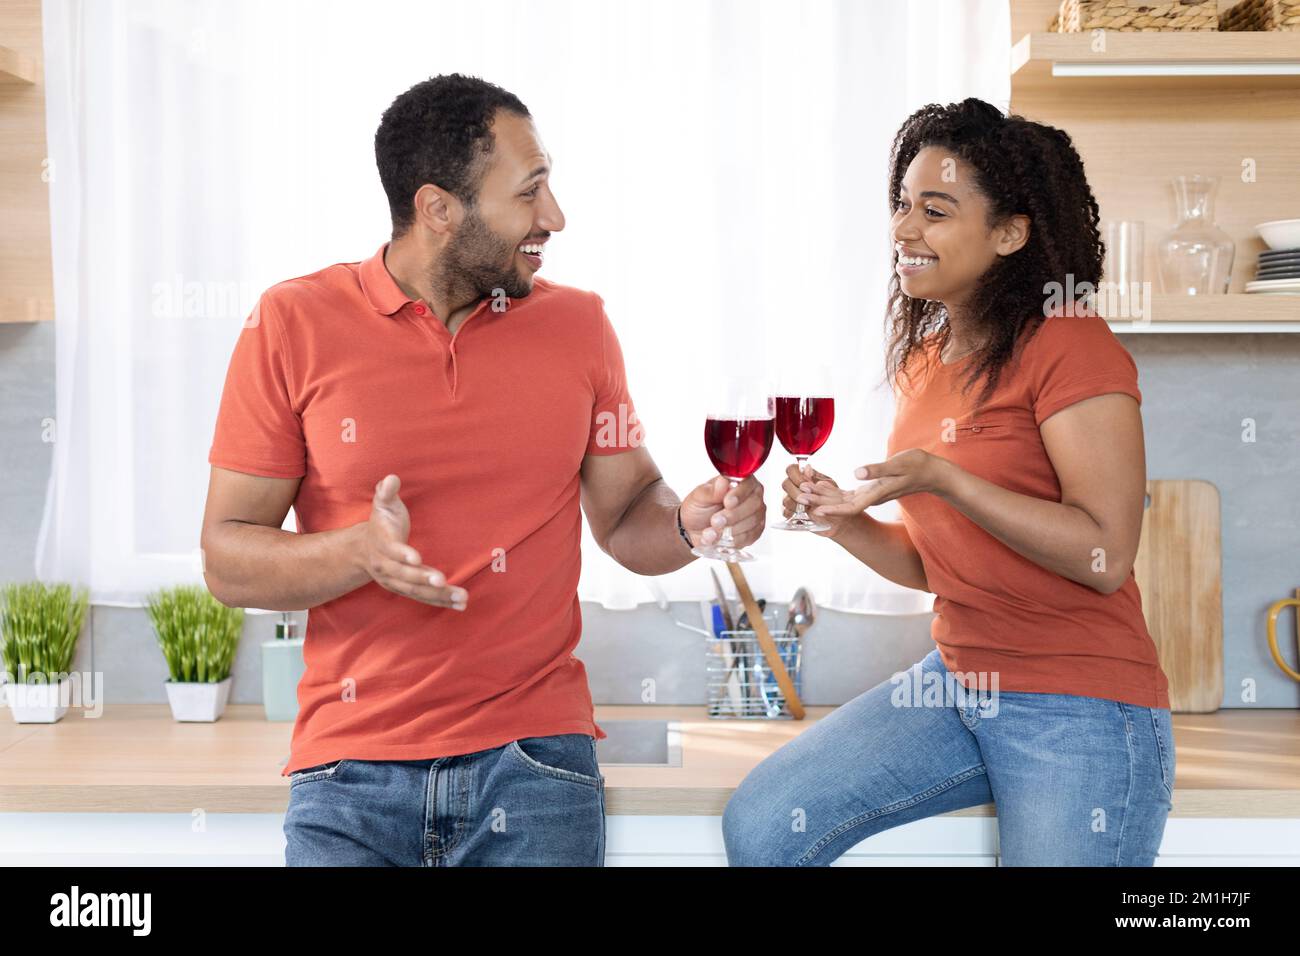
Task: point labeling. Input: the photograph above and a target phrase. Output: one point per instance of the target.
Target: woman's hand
(907, 473)
(796, 483)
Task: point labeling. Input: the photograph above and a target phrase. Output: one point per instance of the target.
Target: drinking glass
(1121, 270)
(805, 412)
(738, 431)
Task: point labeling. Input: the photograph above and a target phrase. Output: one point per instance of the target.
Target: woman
(1022, 506)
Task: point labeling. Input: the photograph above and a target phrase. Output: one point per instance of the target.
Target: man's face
(515, 211)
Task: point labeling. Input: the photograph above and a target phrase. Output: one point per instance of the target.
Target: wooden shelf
(16, 68)
(1265, 60)
(1233, 313)
(26, 270)
(1160, 105)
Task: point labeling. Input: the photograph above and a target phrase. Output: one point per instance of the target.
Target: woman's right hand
(795, 483)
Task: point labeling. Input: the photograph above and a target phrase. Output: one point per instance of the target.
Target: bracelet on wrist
(681, 530)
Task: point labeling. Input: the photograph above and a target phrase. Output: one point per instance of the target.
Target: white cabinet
(1230, 841)
(697, 841)
(256, 839)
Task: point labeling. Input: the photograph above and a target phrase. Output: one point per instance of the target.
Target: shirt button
(419, 310)
(975, 428)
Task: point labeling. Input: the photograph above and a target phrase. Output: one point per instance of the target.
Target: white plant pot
(198, 701)
(37, 703)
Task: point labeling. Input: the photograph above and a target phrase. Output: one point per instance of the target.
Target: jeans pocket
(1162, 724)
(570, 757)
(322, 771)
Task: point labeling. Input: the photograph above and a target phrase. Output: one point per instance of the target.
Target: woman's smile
(913, 263)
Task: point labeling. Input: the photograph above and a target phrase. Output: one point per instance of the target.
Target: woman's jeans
(537, 801)
(1077, 781)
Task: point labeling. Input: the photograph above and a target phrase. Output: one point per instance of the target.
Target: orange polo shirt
(995, 609)
(340, 379)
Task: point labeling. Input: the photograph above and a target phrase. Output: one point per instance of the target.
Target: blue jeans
(537, 801)
(1076, 781)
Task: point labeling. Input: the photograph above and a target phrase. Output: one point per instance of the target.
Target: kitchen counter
(135, 758)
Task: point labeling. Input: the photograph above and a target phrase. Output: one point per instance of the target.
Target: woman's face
(940, 230)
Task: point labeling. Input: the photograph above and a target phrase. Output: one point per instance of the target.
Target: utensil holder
(740, 686)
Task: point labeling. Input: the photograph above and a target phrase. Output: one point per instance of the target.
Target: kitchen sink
(640, 743)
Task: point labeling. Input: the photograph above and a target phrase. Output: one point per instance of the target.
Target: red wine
(804, 424)
(738, 447)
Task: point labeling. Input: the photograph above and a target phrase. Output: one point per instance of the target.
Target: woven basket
(1077, 16)
(1261, 15)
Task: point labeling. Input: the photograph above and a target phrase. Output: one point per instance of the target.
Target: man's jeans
(1077, 781)
(537, 801)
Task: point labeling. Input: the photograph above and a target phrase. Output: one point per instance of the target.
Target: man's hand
(712, 506)
(395, 565)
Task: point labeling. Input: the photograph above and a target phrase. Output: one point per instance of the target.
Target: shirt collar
(381, 290)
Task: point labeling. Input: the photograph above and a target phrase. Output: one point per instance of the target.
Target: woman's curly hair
(1021, 168)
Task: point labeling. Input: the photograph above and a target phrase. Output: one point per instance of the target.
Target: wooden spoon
(770, 652)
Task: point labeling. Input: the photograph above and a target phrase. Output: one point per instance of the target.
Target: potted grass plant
(198, 636)
(39, 624)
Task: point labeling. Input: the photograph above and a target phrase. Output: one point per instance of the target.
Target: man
(434, 415)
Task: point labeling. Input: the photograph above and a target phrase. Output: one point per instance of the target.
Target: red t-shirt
(996, 610)
(341, 379)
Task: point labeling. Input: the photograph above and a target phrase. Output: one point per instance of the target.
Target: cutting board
(1178, 572)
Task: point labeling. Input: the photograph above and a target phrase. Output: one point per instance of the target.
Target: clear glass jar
(1196, 255)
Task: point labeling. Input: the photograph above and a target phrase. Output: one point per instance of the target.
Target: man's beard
(481, 262)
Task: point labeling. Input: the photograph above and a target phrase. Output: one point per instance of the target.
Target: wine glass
(738, 432)
(805, 412)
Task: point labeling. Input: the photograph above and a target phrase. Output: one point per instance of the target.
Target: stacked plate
(1279, 271)
(1279, 267)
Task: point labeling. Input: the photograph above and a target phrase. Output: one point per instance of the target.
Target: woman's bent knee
(756, 831)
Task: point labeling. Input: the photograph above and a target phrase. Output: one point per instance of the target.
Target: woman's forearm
(885, 547)
(1060, 537)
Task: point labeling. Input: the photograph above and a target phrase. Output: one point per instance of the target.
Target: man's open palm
(393, 563)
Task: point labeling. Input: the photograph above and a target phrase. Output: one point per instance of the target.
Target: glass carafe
(1196, 255)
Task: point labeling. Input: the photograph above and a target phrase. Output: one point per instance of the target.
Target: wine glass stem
(726, 542)
(800, 513)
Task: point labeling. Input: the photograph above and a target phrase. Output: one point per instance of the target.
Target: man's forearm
(886, 548)
(250, 565)
(646, 539)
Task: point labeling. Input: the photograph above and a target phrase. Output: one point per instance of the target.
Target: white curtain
(722, 167)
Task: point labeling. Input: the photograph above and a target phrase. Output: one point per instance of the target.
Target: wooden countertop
(135, 758)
